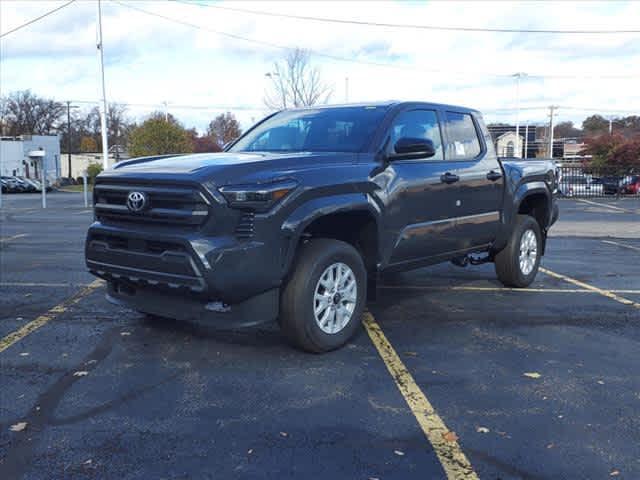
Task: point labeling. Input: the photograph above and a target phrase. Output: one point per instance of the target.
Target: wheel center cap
(336, 298)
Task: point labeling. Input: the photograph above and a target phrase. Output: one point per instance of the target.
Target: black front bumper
(258, 309)
(186, 277)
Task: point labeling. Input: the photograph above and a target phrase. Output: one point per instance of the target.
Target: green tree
(93, 169)
(88, 144)
(157, 136)
(614, 152)
(595, 124)
(566, 130)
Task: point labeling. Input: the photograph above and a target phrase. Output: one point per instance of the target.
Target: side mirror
(408, 147)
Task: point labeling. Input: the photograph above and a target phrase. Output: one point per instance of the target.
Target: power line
(174, 106)
(409, 26)
(37, 18)
(364, 62)
(285, 47)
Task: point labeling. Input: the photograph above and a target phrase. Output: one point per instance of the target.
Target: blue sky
(150, 60)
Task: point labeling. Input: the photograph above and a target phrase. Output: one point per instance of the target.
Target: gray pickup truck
(298, 217)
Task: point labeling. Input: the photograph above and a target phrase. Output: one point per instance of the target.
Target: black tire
(507, 261)
(297, 318)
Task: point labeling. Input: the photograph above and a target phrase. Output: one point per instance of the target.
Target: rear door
(473, 182)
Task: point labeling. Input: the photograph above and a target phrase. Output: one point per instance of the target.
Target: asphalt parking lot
(540, 383)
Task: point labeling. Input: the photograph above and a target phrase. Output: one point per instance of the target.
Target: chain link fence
(590, 182)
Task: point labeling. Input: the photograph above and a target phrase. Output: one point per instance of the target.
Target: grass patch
(75, 188)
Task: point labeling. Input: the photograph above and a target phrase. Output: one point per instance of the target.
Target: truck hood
(224, 168)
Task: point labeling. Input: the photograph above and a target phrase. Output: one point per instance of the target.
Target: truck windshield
(343, 129)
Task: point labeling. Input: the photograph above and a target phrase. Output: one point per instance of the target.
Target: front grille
(144, 262)
(166, 205)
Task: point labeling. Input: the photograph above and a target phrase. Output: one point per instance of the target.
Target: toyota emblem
(136, 201)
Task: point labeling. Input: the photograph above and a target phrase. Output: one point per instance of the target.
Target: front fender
(295, 224)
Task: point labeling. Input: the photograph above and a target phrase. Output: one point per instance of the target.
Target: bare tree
(24, 113)
(224, 129)
(295, 83)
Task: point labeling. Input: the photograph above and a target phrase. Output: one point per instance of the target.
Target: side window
(418, 124)
(462, 138)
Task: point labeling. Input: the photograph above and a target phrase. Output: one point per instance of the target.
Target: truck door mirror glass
(409, 147)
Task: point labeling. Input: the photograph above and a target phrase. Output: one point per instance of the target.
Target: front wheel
(322, 303)
(517, 263)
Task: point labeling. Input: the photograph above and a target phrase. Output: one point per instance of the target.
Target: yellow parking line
(453, 460)
(32, 326)
(623, 245)
(603, 292)
(15, 237)
(466, 288)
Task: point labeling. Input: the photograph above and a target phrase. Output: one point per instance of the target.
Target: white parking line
(604, 205)
(623, 245)
(15, 237)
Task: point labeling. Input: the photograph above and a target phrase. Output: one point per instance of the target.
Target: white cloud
(151, 60)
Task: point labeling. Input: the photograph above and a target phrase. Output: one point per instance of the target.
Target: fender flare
(295, 224)
(523, 191)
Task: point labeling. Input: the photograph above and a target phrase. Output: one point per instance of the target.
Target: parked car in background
(631, 186)
(580, 185)
(36, 184)
(21, 185)
(611, 184)
(13, 185)
(26, 185)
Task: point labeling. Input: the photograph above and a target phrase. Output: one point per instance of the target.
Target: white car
(580, 185)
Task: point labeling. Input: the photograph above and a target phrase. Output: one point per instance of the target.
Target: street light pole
(103, 113)
(518, 76)
(552, 108)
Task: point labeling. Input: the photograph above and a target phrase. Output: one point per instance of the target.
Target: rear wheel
(517, 264)
(323, 301)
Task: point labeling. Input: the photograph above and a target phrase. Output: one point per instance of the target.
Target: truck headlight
(258, 197)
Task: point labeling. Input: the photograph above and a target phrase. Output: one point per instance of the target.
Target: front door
(420, 200)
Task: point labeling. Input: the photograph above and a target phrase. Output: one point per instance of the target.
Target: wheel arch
(536, 202)
(352, 218)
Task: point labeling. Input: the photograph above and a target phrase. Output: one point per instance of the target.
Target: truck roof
(389, 104)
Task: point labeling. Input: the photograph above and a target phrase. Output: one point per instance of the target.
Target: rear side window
(462, 138)
(418, 124)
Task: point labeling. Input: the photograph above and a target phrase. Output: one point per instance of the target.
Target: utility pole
(103, 113)
(552, 109)
(166, 110)
(69, 107)
(518, 76)
(346, 89)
